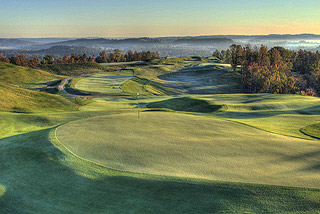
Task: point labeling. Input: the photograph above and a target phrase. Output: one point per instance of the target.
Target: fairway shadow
(207, 79)
(186, 104)
(40, 178)
(309, 155)
(260, 112)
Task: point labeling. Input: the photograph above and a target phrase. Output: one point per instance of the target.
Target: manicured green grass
(283, 114)
(37, 177)
(102, 83)
(312, 130)
(40, 175)
(193, 146)
(145, 87)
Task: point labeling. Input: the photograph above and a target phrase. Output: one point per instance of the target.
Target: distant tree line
(21, 60)
(104, 57)
(276, 70)
(130, 56)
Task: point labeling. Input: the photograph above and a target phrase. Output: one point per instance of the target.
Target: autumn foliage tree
(271, 71)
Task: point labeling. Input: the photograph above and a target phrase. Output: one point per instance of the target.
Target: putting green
(102, 83)
(193, 146)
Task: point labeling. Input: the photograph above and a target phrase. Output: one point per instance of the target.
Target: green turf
(312, 130)
(36, 177)
(25, 77)
(16, 99)
(193, 146)
(102, 83)
(39, 175)
(204, 78)
(186, 104)
(16, 96)
(145, 87)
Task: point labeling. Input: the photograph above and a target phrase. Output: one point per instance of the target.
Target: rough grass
(194, 146)
(25, 77)
(16, 99)
(186, 104)
(312, 130)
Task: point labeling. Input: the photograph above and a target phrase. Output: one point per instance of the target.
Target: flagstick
(138, 105)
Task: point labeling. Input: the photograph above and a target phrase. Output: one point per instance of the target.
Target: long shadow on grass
(209, 79)
(186, 104)
(39, 178)
(311, 156)
(258, 112)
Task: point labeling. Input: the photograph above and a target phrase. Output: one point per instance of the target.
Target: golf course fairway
(182, 145)
(101, 83)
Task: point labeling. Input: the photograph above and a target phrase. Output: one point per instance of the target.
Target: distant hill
(14, 43)
(104, 42)
(55, 51)
(166, 46)
(289, 37)
(203, 41)
(20, 76)
(142, 41)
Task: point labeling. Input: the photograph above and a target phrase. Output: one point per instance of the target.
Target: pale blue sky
(125, 18)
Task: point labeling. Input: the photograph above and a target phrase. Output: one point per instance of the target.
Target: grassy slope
(145, 87)
(14, 97)
(36, 177)
(204, 78)
(194, 146)
(22, 76)
(312, 130)
(283, 114)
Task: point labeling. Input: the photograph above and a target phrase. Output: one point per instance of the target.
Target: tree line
(276, 70)
(104, 57)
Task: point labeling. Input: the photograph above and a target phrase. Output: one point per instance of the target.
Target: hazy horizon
(123, 37)
(106, 18)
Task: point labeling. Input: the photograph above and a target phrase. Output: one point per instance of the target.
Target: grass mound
(25, 77)
(193, 146)
(186, 104)
(175, 60)
(145, 87)
(312, 130)
(16, 99)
